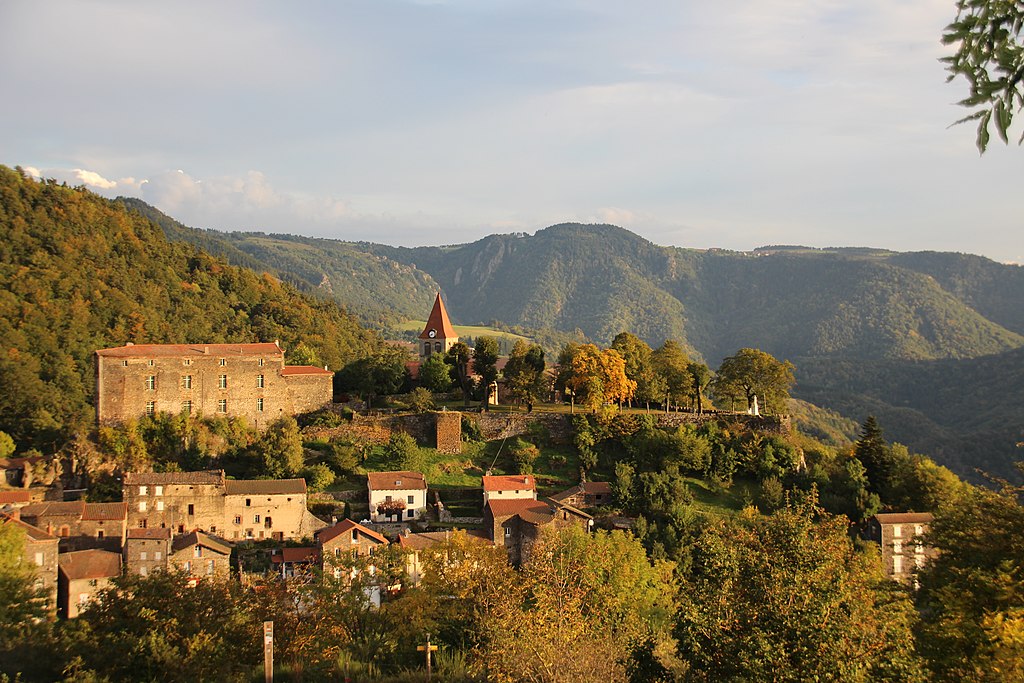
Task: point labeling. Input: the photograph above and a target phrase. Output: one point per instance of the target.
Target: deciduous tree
(752, 372)
(485, 360)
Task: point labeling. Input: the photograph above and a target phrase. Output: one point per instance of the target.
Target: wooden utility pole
(427, 649)
(268, 651)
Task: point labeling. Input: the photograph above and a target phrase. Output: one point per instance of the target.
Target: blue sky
(731, 124)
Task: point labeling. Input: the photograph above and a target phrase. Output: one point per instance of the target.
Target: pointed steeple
(438, 323)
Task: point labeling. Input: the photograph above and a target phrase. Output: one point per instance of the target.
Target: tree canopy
(752, 372)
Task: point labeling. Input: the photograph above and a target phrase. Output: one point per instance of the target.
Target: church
(438, 335)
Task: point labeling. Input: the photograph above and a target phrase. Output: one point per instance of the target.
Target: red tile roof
(72, 508)
(105, 511)
(12, 497)
(174, 350)
(158, 533)
(207, 477)
(34, 533)
(514, 482)
(904, 517)
(515, 506)
(90, 564)
(439, 322)
(396, 481)
(304, 370)
(205, 540)
(301, 554)
(343, 527)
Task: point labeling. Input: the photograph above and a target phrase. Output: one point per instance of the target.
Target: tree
(402, 453)
(21, 603)
(379, 373)
(700, 378)
(971, 597)
(6, 445)
(787, 597)
(436, 374)
(672, 364)
(990, 56)
(598, 377)
(876, 456)
(524, 454)
(318, 477)
(458, 357)
(485, 364)
(640, 367)
(421, 400)
(750, 373)
(279, 450)
(524, 372)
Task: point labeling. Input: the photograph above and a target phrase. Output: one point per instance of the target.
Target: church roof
(438, 320)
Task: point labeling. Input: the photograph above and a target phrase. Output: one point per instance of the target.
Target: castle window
(143, 490)
(248, 502)
(259, 381)
(151, 362)
(157, 555)
(150, 407)
(188, 361)
(223, 362)
(142, 506)
(238, 519)
(186, 381)
(158, 490)
(124, 363)
(267, 522)
(159, 506)
(222, 382)
(191, 509)
(222, 406)
(260, 362)
(255, 519)
(259, 405)
(151, 382)
(186, 407)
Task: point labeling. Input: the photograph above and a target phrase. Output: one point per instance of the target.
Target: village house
(396, 496)
(509, 487)
(342, 540)
(416, 543)
(237, 380)
(146, 550)
(40, 551)
(516, 524)
(236, 510)
(13, 500)
(82, 575)
(899, 535)
(201, 556)
(586, 494)
(80, 525)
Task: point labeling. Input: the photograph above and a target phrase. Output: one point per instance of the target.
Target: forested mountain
(375, 289)
(80, 273)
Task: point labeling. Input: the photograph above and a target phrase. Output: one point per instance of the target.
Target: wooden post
(427, 649)
(268, 651)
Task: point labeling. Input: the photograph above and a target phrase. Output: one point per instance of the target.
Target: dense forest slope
(79, 273)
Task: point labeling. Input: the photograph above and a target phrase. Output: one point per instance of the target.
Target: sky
(730, 124)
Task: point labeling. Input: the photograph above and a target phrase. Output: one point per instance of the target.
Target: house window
(197, 551)
(186, 407)
(124, 363)
(410, 500)
(259, 405)
(896, 531)
(255, 519)
(158, 490)
(426, 349)
(188, 566)
(259, 381)
(508, 531)
(238, 519)
(143, 555)
(151, 362)
(223, 361)
(191, 509)
(188, 361)
(260, 362)
(186, 381)
(897, 564)
(248, 502)
(209, 567)
(897, 547)
(222, 381)
(151, 383)
(142, 506)
(159, 506)
(150, 407)
(157, 555)
(437, 346)
(409, 513)
(213, 528)
(355, 536)
(143, 571)
(39, 559)
(143, 523)
(267, 523)
(143, 490)
(918, 529)
(222, 405)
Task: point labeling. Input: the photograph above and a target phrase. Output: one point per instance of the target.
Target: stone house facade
(238, 380)
(348, 538)
(80, 525)
(899, 535)
(41, 551)
(201, 556)
(82, 575)
(235, 510)
(516, 524)
(586, 494)
(147, 550)
(404, 491)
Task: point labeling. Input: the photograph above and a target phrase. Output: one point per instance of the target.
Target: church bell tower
(438, 336)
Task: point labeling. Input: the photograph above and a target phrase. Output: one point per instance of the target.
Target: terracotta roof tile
(52, 508)
(264, 487)
(515, 482)
(515, 506)
(90, 564)
(199, 538)
(12, 497)
(396, 481)
(174, 350)
(301, 554)
(904, 517)
(345, 526)
(34, 533)
(105, 511)
(431, 538)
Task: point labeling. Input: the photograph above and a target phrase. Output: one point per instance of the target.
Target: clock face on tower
(432, 334)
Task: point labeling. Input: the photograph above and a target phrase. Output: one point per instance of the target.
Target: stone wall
(449, 432)
(377, 429)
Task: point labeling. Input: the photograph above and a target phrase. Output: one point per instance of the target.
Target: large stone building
(235, 510)
(900, 536)
(438, 335)
(238, 380)
(80, 525)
